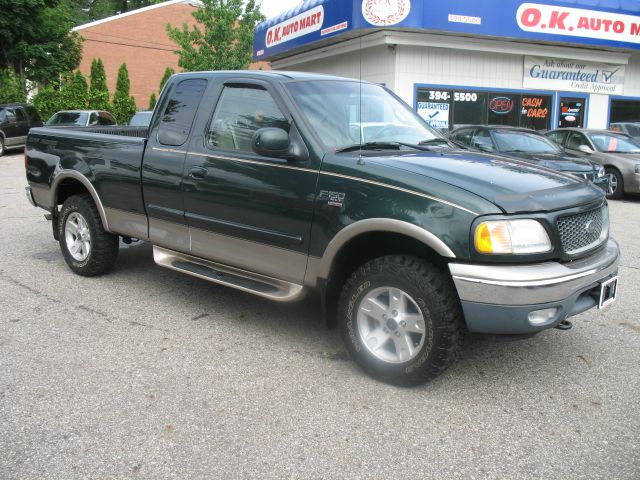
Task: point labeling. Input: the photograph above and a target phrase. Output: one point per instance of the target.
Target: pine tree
(74, 93)
(167, 74)
(124, 106)
(98, 91)
(152, 101)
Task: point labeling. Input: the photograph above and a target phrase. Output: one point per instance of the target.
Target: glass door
(571, 112)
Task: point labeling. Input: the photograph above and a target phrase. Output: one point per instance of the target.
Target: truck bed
(110, 157)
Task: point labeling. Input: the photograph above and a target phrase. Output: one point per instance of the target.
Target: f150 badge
(334, 199)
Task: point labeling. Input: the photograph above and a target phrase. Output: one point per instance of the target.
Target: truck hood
(512, 185)
(563, 162)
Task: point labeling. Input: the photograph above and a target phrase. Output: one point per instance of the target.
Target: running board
(255, 283)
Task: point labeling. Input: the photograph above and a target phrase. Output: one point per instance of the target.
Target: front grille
(582, 231)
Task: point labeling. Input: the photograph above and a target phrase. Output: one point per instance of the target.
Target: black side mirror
(275, 142)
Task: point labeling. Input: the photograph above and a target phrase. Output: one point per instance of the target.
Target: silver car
(630, 128)
(617, 152)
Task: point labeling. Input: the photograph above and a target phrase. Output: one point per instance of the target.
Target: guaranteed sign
(544, 73)
(577, 22)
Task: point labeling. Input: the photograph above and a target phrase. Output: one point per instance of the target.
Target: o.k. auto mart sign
(544, 73)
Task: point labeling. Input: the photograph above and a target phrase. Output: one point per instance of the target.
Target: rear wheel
(1, 146)
(86, 247)
(401, 319)
(615, 188)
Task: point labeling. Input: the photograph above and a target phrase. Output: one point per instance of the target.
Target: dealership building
(538, 65)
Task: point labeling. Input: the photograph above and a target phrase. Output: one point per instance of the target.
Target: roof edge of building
(195, 3)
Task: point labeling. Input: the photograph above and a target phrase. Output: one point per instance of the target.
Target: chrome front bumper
(499, 298)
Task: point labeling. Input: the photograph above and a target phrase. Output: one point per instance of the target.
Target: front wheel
(615, 187)
(401, 319)
(86, 247)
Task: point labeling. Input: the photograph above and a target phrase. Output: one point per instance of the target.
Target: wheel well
(69, 187)
(366, 247)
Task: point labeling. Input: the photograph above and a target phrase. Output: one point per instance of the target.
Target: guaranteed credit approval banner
(548, 73)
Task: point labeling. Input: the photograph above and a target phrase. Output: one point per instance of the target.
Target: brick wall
(139, 40)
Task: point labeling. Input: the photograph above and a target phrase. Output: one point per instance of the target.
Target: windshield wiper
(433, 141)
(378, 145)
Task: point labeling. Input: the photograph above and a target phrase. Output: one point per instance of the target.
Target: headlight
(601, 171)
(511, 236)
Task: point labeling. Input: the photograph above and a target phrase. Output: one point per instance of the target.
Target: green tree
(222, 39)
(167, 74)
(74, 94)
(152, 101)
(35, 39)
(47, 101)
(98, 91)
(123, 104)
(11, 87)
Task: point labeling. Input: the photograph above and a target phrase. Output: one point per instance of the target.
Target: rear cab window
(180, 110)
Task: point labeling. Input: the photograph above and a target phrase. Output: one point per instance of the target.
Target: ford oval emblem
(590, 227)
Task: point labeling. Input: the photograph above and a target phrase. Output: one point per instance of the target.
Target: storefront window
(469, 108)
(535, 112)
(503, 109)
(625, 111)
(452, 108)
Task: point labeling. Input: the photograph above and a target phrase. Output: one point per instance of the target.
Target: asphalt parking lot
(148, 373)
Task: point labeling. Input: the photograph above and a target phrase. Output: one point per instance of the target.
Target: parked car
(254, 180)
(630, 128)
(15, 121)
(527, 145)
(81, 118)
(617, 152)
(141, 119)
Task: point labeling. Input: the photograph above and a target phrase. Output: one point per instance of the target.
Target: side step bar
(255, 283)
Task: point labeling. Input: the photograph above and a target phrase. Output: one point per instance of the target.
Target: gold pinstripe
(339, 175)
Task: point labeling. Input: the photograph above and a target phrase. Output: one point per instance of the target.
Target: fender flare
(372, 225)
(63, 175)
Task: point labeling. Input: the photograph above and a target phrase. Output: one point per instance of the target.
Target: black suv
(15, 121)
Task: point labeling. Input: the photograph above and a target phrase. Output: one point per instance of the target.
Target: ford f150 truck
(262, 181)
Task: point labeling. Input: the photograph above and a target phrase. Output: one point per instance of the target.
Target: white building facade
(536, 65)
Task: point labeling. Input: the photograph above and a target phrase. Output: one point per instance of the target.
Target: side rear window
(178, 115)
(32, 114)
(22, 117)
(463, 136)
(240, 112)
(557, 137)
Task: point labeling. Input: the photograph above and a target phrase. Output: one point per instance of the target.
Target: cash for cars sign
(544, 73)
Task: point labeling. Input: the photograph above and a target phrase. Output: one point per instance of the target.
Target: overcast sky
(272, 8)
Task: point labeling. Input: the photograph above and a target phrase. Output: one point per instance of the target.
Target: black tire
(103, 250)
(1, 145)
(615, 175)
(432, 291)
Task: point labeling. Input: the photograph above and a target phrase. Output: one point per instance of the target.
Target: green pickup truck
(280, 184)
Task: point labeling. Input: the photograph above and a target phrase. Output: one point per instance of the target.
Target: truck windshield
(346, 114)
